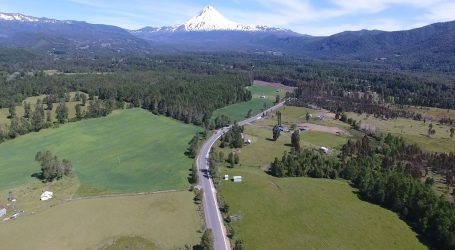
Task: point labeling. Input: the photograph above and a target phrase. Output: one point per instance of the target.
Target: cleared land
(275, 85)
(413, 131)
(304, 213)
(262, 95)
(128, 151)
(321, 128)
(4, 113)
(238, 111)
(166, 221)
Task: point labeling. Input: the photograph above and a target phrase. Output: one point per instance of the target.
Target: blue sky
(312, 17)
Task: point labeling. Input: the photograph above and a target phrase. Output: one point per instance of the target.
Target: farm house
(2, 210)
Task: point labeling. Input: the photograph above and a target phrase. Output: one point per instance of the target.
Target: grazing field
(164, 221)
(305, 213)
(128, 151)
(413, 131)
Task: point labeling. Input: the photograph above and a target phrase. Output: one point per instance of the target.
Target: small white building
(226, 177)
(324, 149)
(237, 178)
(46, 195)
(2, 210)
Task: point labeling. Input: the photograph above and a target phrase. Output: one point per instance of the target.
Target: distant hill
(418, 48)
(427, 48)
(66, 37)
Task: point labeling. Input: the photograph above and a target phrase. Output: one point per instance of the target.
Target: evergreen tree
(37, 120)
(276, 132)
(61, 112)
(295, 140)
(79, 115)
(27, 110)
(84, 99)
(307, 116)
(12, 111)
(231, 160)
(277, 99)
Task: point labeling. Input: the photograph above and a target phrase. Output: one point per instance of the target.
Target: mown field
(304, 213)
(128, 151)
(164, 221)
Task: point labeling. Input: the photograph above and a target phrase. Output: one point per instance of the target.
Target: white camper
(237, 178)
(46, 195)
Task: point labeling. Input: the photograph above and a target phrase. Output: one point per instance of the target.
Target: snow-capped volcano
(209, 19)
(29, 19)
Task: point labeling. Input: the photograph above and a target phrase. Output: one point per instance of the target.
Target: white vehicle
(237, 178)
(46, 195)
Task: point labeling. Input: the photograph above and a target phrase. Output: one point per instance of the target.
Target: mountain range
(211, 31)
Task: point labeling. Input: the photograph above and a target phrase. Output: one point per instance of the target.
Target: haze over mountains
(211, 31)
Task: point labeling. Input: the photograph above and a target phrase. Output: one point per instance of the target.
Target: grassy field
(238, 111)
(164, 221)
(32, 100)
(265, 91)
(128, 151)
(305, 213)
(413, 131)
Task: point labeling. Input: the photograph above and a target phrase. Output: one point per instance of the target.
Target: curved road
(213, 218)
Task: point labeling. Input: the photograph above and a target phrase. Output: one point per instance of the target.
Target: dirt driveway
(321, 128)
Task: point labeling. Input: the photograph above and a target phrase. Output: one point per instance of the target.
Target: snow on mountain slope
(209, 19)
(24, 18)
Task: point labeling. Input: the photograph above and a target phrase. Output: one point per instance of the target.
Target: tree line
(388, 172)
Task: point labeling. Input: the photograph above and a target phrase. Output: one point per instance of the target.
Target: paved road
(213, 219)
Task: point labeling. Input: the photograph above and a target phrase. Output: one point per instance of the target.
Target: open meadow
(157, 221)
(4, 112)
(303, 213)
(263, 96)
(306, 213)
(128, 151)
(113, 157)
(413, 131)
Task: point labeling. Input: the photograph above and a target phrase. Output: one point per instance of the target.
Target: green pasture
(128, 151)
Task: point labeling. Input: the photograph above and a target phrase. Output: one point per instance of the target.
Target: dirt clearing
(276, 85)
(321, 128)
